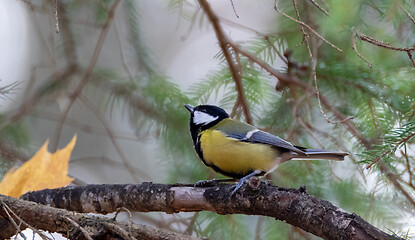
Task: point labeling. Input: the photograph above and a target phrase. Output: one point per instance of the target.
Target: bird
(240, 150)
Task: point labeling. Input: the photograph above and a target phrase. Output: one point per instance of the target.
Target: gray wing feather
(267, 138)
(249, 133)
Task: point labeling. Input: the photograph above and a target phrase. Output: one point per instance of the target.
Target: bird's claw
(243, 180)
(237, 186)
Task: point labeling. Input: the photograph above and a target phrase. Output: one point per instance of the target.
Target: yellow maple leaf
(43, 170)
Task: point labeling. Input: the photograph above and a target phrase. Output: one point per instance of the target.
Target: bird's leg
(242, 180)
(213, 182)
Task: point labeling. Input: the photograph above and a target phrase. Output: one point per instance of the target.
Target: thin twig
(305, 25)
(55, 6)
(390, 150)
(120, 231)
(354, 36)
(85, 78)
(288, 80)
(305, 35)
(238, 101)
(408, 166)
(124, 62)
(383, 44)
(319, 7)
(305, 126)
(193, 219)
(240, 26)
(234, 10)
(387, 46)
(75, 224)
(409, 15)
(224, 42)
(130, 217)
(19, 231)
(192, 23)
(112, 137)
(410, 57)
(265, 36)
(313, 60)
(394, 179)
(8, 210)
(271, 44)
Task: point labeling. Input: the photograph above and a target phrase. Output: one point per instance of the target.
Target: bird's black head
(203, 117)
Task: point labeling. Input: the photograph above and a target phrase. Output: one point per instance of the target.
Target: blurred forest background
(117, 74)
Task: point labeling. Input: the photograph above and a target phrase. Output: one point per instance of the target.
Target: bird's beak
(190, 108)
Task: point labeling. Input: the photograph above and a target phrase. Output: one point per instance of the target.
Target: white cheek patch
(201, 118)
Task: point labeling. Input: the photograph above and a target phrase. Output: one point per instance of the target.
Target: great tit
(239, 150)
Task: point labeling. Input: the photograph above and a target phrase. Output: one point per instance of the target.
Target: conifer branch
(289, 80)
(305, 25)
(223, 43)
(404, 140)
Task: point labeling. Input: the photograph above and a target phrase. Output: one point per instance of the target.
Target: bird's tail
(317, 154)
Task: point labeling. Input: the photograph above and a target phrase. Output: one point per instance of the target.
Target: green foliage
(396, 139)
(15, 134)
(223, 227)
(220, 83)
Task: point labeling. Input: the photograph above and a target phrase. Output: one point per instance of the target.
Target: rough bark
(293, 206)
(16, 212)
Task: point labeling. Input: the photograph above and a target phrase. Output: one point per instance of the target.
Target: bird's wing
(248, 133)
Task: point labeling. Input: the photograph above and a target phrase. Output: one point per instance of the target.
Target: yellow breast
(233, 156)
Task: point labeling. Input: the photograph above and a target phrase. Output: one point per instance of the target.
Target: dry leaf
(43, 170)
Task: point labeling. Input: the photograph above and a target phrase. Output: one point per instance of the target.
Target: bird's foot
(243, 180)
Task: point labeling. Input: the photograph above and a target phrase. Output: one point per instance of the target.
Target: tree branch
(223, 43)
(293, 206)
(290, 80)
(386, 45)
(70, 224)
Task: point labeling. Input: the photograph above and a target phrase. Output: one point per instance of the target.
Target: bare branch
(409, 15)
(319, 7)
(56, 220)
(76, 225)
(313, 60)
(305, 25)
(387, 46)
(383, 44)
(233, 7)
(296, 207)
(294, 81)
(354, 36)
(394, 179)
(411, 58)
(86, 76)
